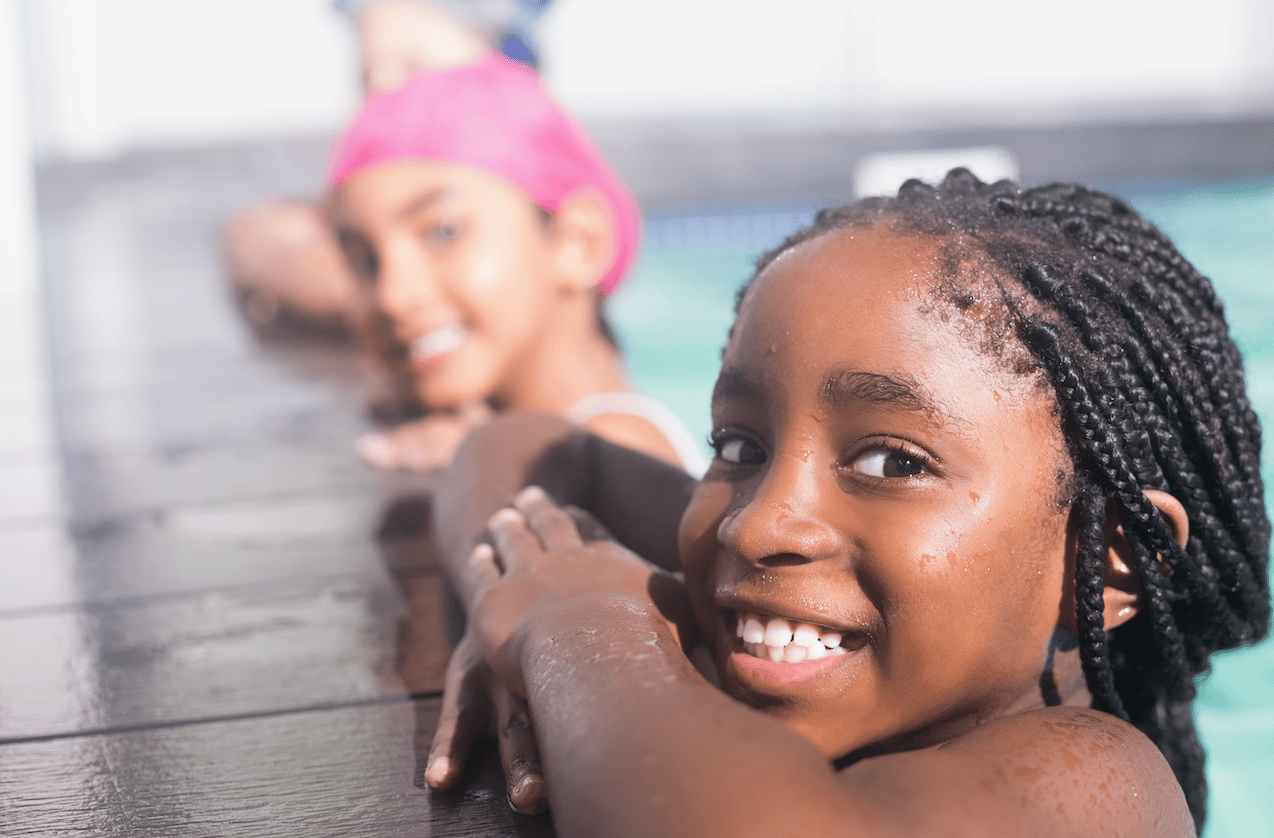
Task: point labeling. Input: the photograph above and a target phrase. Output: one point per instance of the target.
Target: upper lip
(441, 327)
(745, 605)
(420, 333)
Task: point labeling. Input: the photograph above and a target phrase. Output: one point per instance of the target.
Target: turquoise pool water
(674, 313)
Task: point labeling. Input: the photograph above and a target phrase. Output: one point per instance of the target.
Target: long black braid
(1151, 394)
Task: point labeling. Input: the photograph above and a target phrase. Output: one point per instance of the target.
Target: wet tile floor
(201, 631)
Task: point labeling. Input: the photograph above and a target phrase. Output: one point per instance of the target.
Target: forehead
(383, 193)
(866, 283)
(867, 299)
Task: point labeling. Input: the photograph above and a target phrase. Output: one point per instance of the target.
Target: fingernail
(376, 450)
(507, 515)
(528, 796)
(437, 771)
(531, 493)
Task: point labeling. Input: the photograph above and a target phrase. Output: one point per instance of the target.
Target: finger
(417, 458)
(377, 451)
(513, 539)
(547, 520)
(421, 452)
(590, 529)
(519, 752)
(483, 567)
(466, 712)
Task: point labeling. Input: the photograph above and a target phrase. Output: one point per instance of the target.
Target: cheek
(479, 274)
(509, 294)
(982, 549)
(697, 535)
(1016, 570)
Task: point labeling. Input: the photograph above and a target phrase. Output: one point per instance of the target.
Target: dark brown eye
(444, 232)
(359, 256)
(738, 450)
(889, 463)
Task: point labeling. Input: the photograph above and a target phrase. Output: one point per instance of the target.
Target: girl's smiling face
(461, 263)
(886, 491)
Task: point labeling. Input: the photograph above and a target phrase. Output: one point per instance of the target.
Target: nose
(405, 287)
(782, 521)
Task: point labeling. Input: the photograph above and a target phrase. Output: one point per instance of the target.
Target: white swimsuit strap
(649, 409)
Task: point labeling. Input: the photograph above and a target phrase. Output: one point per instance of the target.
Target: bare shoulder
(1059, 771)
(635, 433)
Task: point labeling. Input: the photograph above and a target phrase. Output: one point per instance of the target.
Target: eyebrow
(847, 386)
(733, 383)
(841, 388)
(419, 202)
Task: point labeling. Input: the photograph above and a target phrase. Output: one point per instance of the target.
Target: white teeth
(438, 342)
(777, 640)
(805, 635)
(794, 653)
(778, 633)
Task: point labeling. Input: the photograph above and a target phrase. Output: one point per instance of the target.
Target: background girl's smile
(462, 265)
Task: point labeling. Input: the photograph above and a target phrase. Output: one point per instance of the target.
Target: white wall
(17, 214)
(884, 60)
(113, 74)
(28, 452)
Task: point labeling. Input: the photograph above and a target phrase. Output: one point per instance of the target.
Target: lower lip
(781, 674)
(426, 364)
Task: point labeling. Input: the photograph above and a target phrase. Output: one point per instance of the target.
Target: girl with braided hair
(986, 497)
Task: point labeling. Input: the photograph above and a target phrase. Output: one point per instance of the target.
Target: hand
(545, 567)
(470, 695)
(423, 444)
(400, 39)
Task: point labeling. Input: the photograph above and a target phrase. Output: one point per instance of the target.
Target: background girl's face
(883, 483)
(460, 263)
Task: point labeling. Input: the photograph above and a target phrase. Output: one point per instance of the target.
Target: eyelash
(723, 437)
(361, 260)
(894, 448)
(444, 232)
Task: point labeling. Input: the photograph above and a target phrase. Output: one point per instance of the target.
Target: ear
(584, 239)
(1122, 594)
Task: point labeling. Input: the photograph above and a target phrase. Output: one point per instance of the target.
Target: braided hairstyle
(1150, 391)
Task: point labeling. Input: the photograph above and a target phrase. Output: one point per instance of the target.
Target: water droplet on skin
(975, 497)
(774, 347)
(995, 394)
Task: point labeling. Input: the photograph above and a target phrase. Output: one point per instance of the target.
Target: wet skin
(877, 476)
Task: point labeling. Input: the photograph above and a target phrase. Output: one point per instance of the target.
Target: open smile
(783, 652)
(433, 346)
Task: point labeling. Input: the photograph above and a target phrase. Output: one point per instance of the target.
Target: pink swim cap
(494, 114)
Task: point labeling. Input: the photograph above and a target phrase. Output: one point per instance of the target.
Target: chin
(448, 395)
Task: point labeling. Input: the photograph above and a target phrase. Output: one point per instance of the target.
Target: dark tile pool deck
(206, 625)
